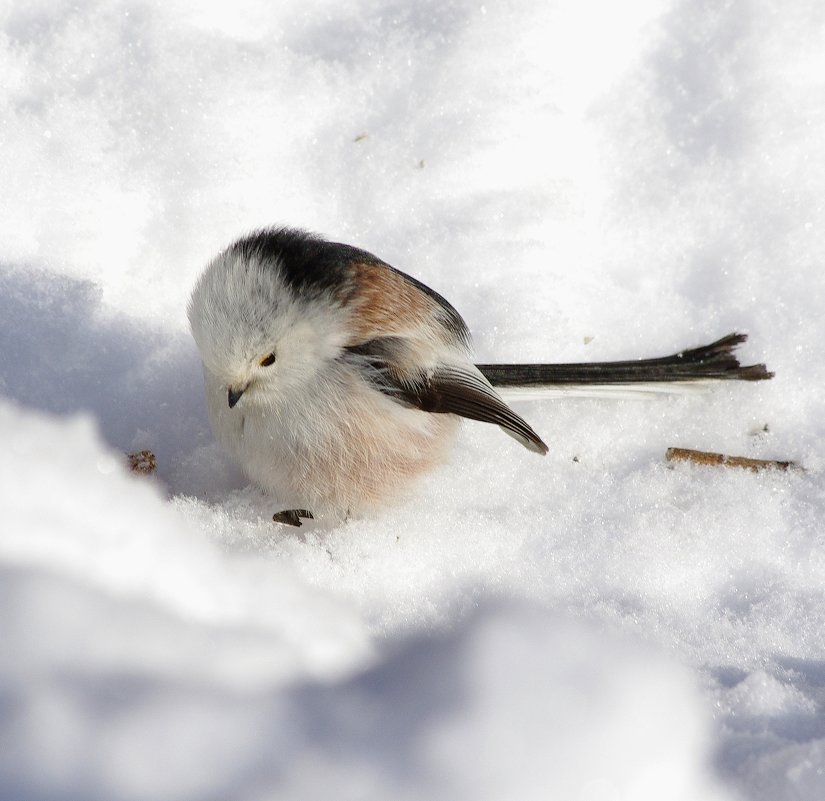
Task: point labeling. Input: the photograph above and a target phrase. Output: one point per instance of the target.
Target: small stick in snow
(143, 463)
(708, 458)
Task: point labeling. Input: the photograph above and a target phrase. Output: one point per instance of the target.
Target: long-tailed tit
(334, 380)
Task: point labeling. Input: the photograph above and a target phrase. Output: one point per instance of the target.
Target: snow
(584, 181)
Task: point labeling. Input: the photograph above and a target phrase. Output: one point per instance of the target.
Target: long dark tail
(714, 361)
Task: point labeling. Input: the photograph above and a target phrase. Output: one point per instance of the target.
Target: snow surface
(584, 180)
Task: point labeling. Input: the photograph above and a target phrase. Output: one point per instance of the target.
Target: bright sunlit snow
(584, 181)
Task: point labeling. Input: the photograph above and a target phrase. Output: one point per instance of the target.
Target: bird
(335, 381)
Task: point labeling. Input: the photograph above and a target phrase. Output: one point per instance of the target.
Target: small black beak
(234, 396)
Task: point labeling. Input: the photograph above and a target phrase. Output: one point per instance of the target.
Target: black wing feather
(448, 389)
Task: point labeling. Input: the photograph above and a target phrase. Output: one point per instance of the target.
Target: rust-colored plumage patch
(386, 304)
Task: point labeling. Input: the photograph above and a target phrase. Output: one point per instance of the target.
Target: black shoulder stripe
(306, 262)
(309, 263)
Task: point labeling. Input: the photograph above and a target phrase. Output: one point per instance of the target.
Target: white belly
(339, 448)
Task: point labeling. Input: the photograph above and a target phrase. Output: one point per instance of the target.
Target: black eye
(267, 360)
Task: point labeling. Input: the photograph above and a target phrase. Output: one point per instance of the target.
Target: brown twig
(723, 460)
(142, 462)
